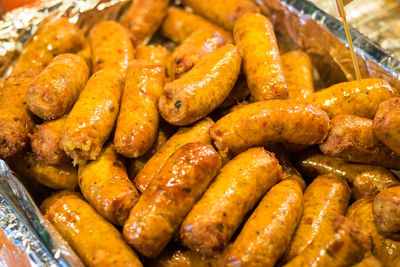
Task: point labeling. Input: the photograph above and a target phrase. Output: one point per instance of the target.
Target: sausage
(298, 71)
(111, 46)
(64, 176)
(49, 201)
(269, 228)
(353, 98)
(267, 122)
(57, 37)
(385, 249)
(155, 54)
(238, 94)
(92, 118)
(386, 209)
(202, 89)
(143, 18)
(196, 133)
(352, 139)
(95, 240)
(365, 180)
(45, 142)
(255, 38)
(343, 244)
(56, 88)
(86, 54)
(138, 118)
(192, 49)
(238, 187)
(179, 24)
(223, 13)
(169, 197)
(368, 261)
(325, 198)
(387, 122)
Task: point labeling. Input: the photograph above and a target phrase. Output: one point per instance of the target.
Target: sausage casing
(155, 54)
(386, 210)
(169, 197)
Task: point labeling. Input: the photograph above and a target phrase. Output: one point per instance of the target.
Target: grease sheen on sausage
(386, 209)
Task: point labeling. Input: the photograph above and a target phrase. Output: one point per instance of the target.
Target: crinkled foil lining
(300, 23)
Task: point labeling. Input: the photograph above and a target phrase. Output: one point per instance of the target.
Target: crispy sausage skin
(111, 46)
(386, 123)
(255, 38)
(239, 185)
(353, 98)
(56, 88)
(196, 133)
(269, 228)
(352, 139)
(45, 142)
(342, 244)
(138, 117)
(298, 71)
(92, 118)
(169, 197)
(202, 89)
(223, 13)
(143, 19)
(386, 209)
(267, 122)
(105, 185)
(365, 180)
(94, 239)
(325, 198)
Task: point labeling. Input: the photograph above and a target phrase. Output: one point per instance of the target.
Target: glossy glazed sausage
(223, 13)
(111, 47)
(138, 118)
(298, 71)
(155, 54)
(45, 142)
(169, 197)
(196, 133)
(269, 228)
(352, 139)
(343, 244)
(325, 198)
(353, 98)
(86, 54)
(202, 89)
(92, 118)
(54, 90)
(105, 185)
(94, 239)
(386, 123)
(267, 122)
(143, 18)
(238, 94)
(386, 209)
(255, 38)
(239, 185)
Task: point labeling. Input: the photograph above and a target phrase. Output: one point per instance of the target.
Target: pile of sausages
(216, 135)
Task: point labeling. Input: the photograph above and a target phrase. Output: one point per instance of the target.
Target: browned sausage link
(267, 122)
(57, 37)
(385, 249)
(106, 186)
(94, 239)
(143, 19)
(56, 88)
(353, 98)
(238, 187)
(223, 13)
(255, 38)
(52, 199)
(342, 244)
(368, 261)
(298, 71)
(238, 94)
(326, 197)
(202, 89)
(169, 197)
(386, 209)
(138, 118)
(269, 228)
(92, 118)
(179, 24)
(86, 54)
(111, 46)
(155, 54)
(352, 139)
(45, 142)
